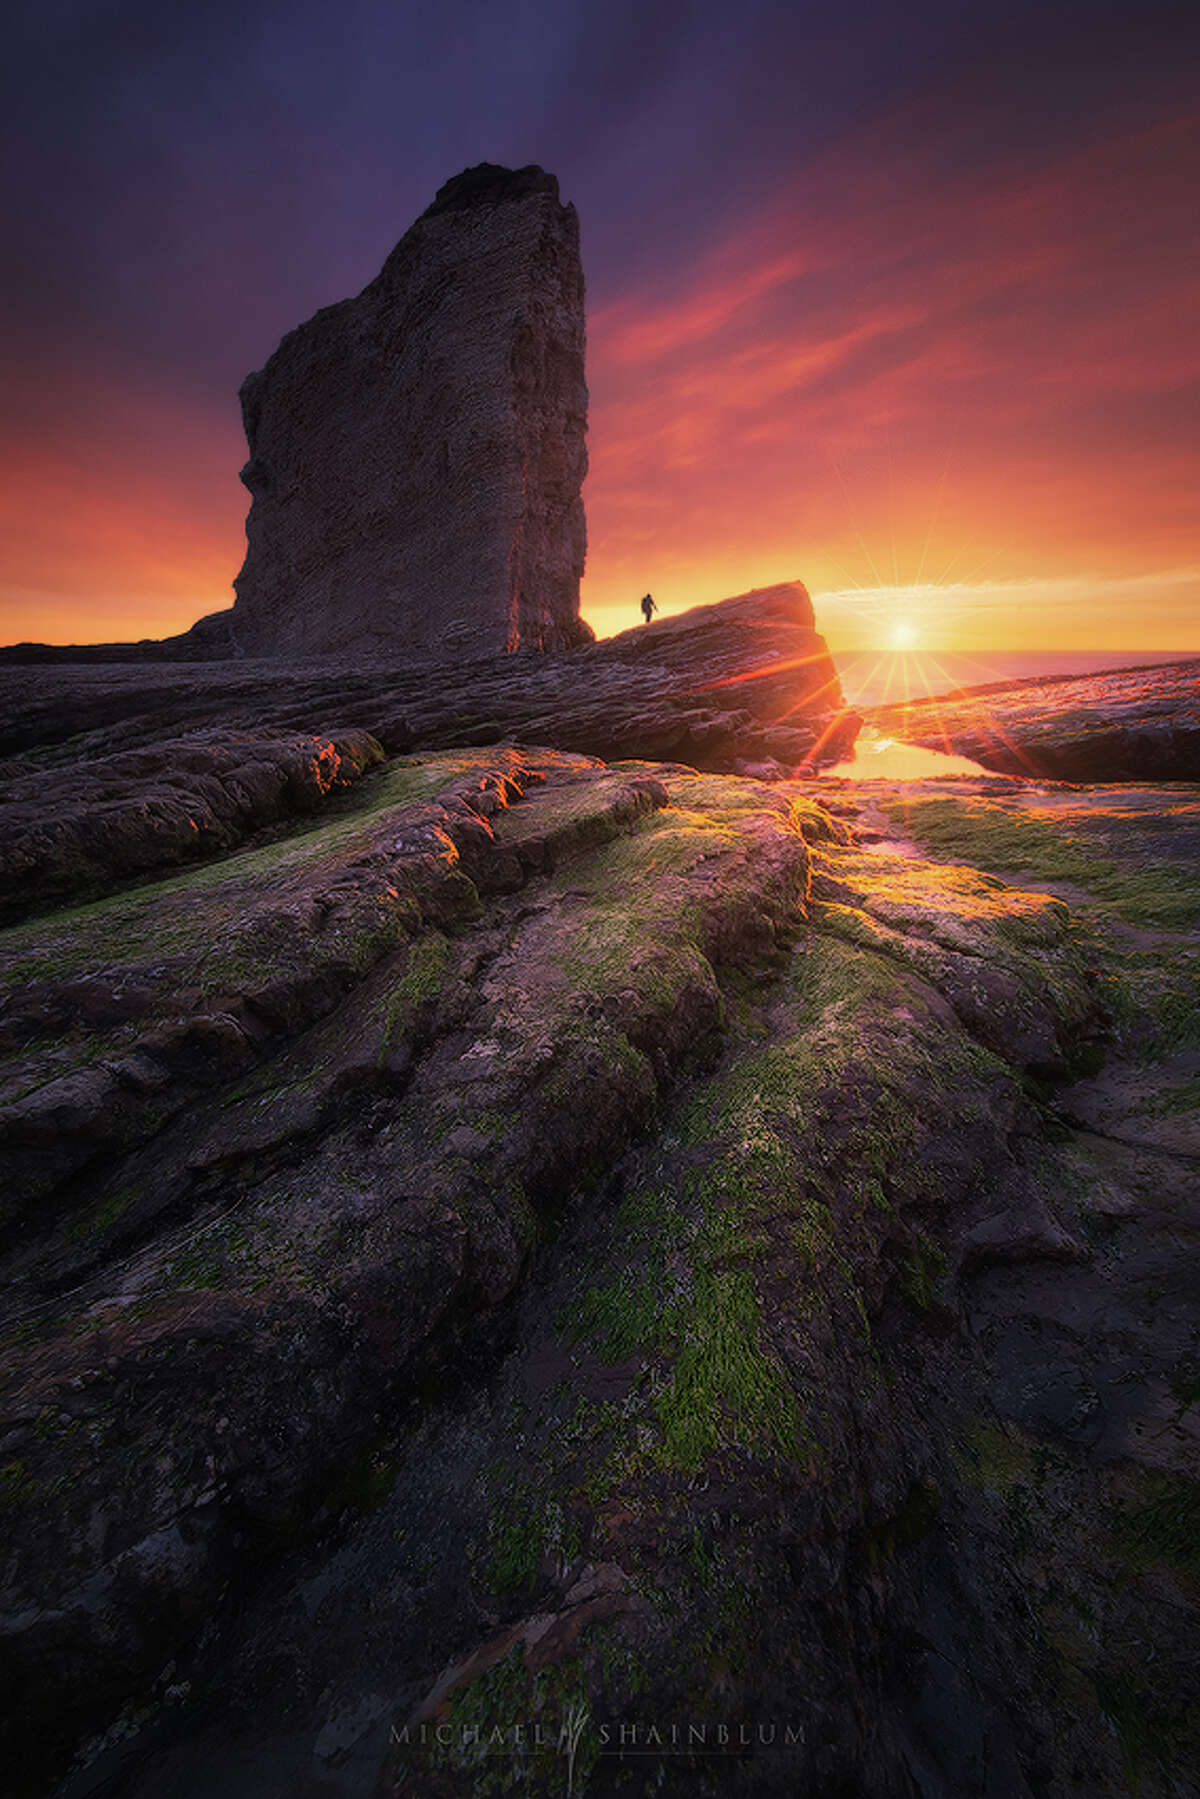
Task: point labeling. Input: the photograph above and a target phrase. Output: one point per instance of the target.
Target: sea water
(880, 758)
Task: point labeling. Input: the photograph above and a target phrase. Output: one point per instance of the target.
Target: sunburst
(904, 616)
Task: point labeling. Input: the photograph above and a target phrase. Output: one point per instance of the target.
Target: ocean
(874, 677)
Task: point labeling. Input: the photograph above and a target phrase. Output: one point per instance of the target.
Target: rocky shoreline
(517, 1236)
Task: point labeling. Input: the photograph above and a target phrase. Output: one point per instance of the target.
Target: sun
(904, 634)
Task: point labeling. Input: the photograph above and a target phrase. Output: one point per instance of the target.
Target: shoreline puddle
(877, 757)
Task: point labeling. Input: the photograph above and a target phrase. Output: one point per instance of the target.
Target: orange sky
(958, 399)
(975, 401)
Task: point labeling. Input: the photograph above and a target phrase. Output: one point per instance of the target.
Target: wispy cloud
(963, 372)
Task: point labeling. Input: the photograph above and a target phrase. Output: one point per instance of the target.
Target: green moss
(994, 1458)
(1174, 1013)
(96, 1219)
(497, 1696)
(1084, 1061)
(1173, 1101)
(205, 1264)
(17, 1489)
(683, 1307)
(575, 818)
(624, 1671)
(625, 872)
(920, 1273)
(621, 1316)
(647, 917)
(556, 1744)
(1158, 1523)
(1153, 995)
(750, 1100)
(429, 962)
(516, 1538)
(1058, 847)
(527, 1525)
(873, 1194)
(649, 1215)
(723, 1388)
(787, 1155)
(164, 920)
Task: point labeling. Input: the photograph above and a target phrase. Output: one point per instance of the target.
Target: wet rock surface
(549, 1242)
(1131, 724)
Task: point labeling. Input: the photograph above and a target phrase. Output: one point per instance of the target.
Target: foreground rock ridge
(498, 1237)
(417, 453)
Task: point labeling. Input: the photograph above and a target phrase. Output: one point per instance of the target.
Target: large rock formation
(416, 454)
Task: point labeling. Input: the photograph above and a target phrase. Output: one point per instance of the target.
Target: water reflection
(877, 757)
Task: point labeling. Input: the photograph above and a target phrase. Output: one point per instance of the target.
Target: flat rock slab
(851, 1369)
(70, 832)
(274, 1125)
(1132, 724)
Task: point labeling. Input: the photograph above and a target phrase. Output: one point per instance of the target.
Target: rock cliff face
(417, 453)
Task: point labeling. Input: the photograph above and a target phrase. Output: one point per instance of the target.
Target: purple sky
(181, 187)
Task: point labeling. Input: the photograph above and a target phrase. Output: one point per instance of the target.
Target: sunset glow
(938, 362)
(981, 427)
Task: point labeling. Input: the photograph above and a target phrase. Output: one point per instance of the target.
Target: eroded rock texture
(70, 832)
(535, 1240)
(416, 453)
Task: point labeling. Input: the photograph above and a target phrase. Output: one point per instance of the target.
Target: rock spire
(417, 453)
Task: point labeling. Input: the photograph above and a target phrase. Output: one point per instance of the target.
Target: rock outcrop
(1121, 725)
(746, 685)
(417, 453)
(209, 640)
(72, 833)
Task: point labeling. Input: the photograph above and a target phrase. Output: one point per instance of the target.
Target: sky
(897, 301)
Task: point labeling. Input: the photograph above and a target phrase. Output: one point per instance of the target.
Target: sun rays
(903, 618)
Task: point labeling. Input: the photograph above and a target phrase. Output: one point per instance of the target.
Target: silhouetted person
(648, 608)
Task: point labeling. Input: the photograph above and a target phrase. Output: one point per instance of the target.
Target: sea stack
(417, 453)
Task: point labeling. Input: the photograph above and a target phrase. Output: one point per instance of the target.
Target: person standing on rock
(648, 608)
